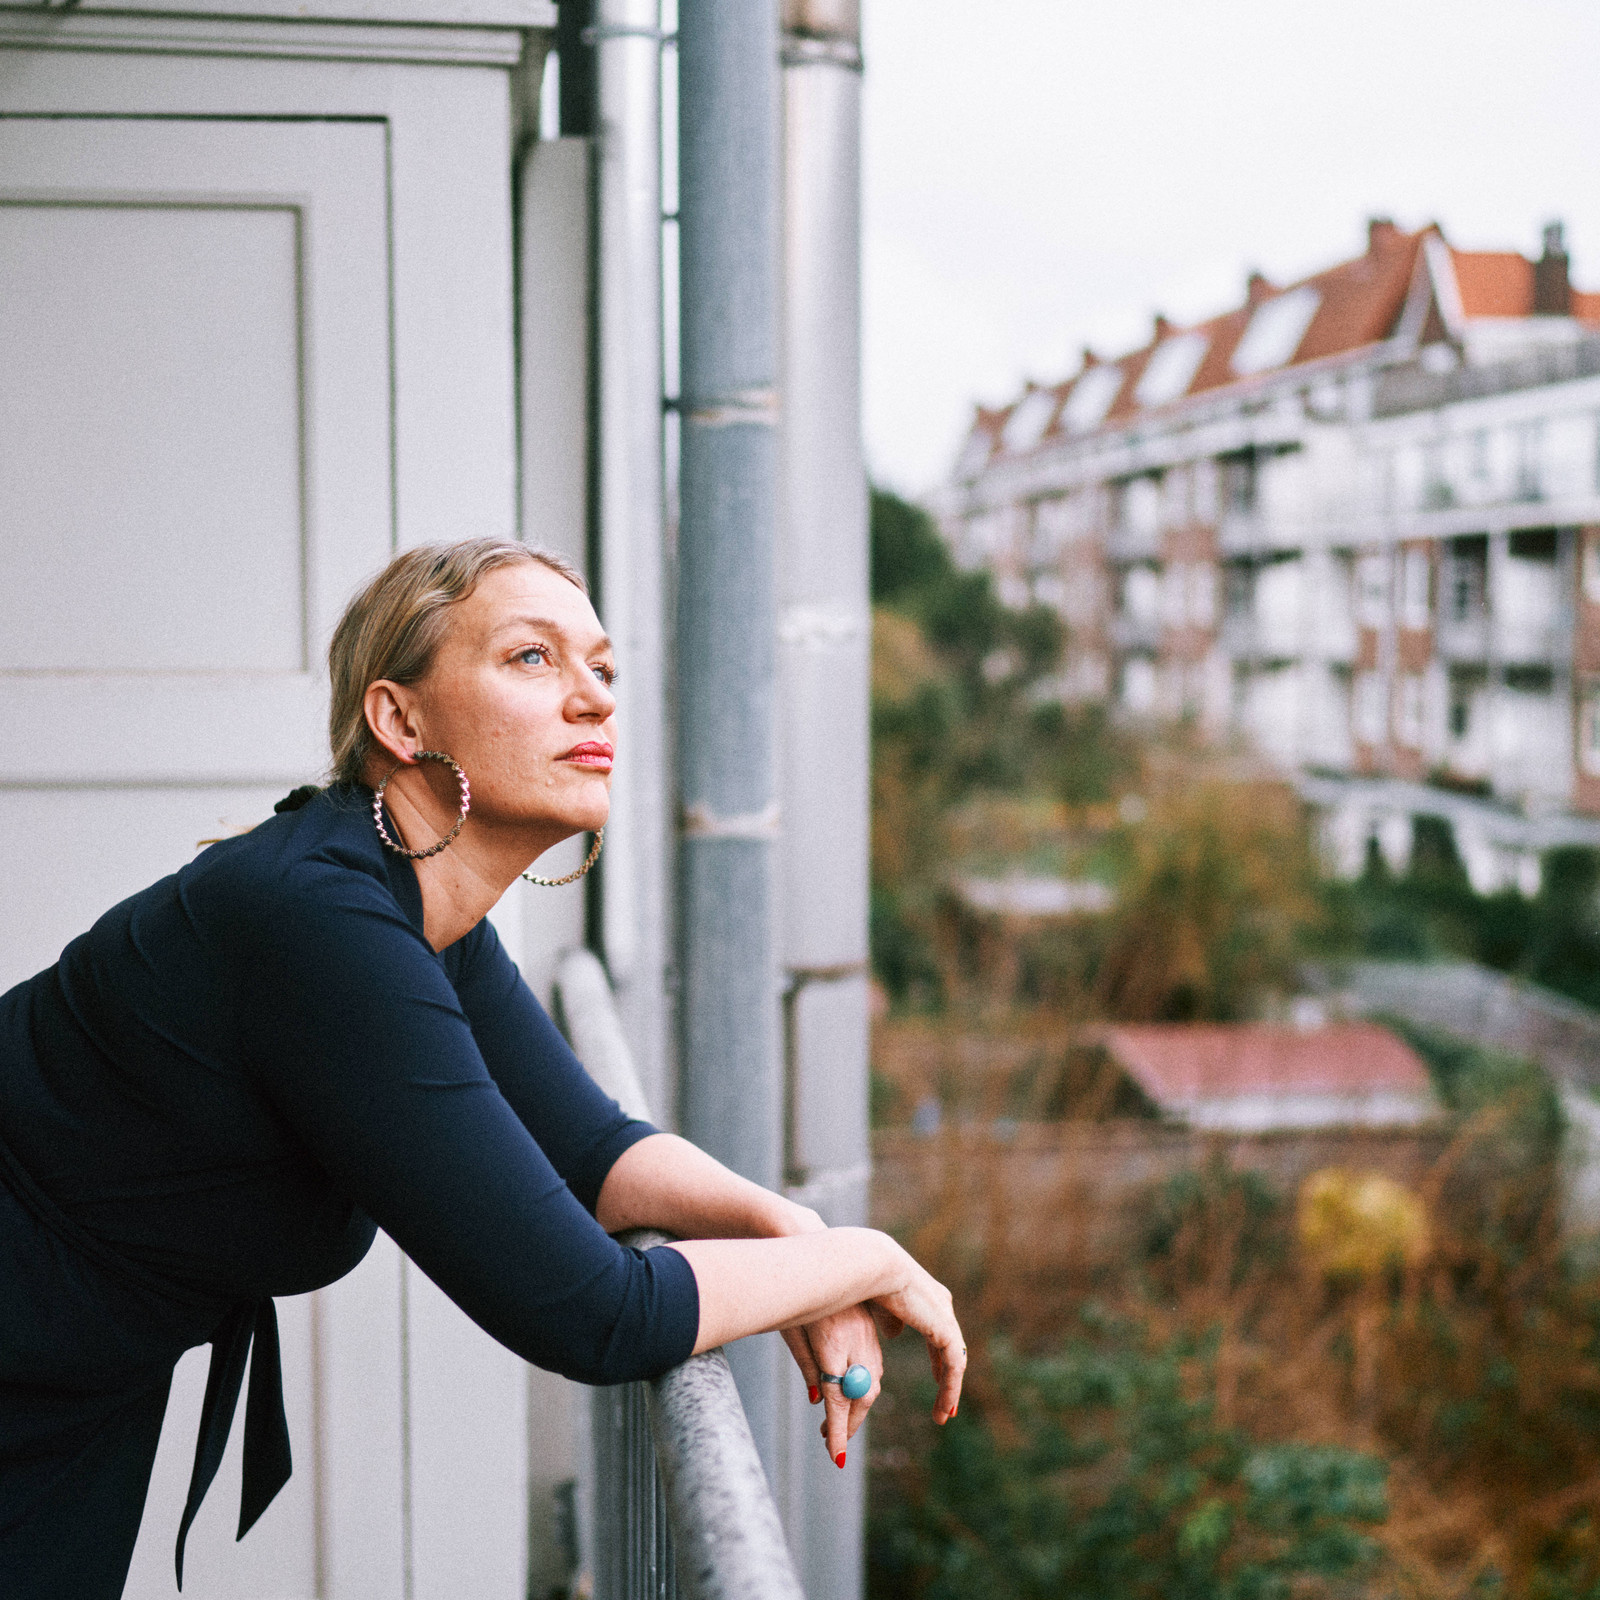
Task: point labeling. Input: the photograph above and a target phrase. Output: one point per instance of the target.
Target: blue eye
(606, 674)
(537, 650)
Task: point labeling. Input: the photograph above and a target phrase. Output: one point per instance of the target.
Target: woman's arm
(761, 1263)
(758, 1285)
(665, 1182)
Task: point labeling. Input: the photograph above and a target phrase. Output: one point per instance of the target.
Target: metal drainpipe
(824, 633)
(731, 1094)
(634, 894)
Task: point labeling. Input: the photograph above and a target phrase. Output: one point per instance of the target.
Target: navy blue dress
(216, 1096)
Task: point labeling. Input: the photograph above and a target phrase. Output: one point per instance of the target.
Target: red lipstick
(595, 754)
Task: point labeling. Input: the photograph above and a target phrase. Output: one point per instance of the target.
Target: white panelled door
(196, 469)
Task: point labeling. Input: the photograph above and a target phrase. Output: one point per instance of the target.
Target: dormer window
(1275, 331)
(1091, 398)
(1171, 369)
(1027, 422)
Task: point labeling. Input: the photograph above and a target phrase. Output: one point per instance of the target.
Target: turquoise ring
(853, 1385)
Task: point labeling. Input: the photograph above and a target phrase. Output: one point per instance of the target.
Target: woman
(223, 1088)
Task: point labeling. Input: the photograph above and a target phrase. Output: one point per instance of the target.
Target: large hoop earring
(449, 838)
(571, 877)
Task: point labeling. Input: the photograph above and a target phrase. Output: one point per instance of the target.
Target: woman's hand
(923, 1303)
(834, 1344)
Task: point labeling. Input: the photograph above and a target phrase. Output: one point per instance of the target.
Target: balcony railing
(678, 1499)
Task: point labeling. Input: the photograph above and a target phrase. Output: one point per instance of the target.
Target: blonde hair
(393, 628)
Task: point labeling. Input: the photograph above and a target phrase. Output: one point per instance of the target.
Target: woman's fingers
(800, 1348)
(838, 1343)
(948, 1357)
(925, 1304)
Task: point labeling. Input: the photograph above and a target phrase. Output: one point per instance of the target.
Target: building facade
(1355, 519)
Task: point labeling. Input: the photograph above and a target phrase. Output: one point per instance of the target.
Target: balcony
(678, 1501)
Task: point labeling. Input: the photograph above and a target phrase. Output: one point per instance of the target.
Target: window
(1028, 420)
(1052, 528)
(1436, 491)
(1468, 577)
(1091, 398)
(1171, 369)
(1591, 565)
(1139, 507)
(1478, 468)
(1529, 455)
(1411, 710)
(1241, 585)
(1238, 482)
(1416, 584)
(1275, 331)
(1460, 709)
(1141, 595)
(1049, 590)
(1589, 730)
(1371, 708)
(1203, 594)
(1139, 684)
(1372, 591)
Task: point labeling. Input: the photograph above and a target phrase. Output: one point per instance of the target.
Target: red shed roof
(1180, 1063)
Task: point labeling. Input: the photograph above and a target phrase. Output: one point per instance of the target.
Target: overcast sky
(1045, 173)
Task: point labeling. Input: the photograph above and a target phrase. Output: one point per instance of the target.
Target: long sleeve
(352, 1027)
(575, 1122)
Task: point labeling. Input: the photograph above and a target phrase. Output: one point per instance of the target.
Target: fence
(1066, 1196)
(677, 1500)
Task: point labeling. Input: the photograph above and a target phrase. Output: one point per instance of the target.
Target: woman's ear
(390, 716)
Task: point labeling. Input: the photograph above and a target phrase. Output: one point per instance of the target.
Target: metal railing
(678, 1500)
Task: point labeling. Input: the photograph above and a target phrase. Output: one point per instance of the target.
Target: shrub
(1101, 1469)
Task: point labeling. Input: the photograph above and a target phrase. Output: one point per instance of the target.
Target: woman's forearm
(756, 1285)
(665, 1182)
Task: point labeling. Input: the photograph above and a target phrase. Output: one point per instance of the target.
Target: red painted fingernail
(952, 1413)
(838, 1460)
(814, 1392)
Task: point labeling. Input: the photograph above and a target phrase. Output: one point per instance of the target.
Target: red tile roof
(1359, 304)
(1182, 1063)
(1494, 283)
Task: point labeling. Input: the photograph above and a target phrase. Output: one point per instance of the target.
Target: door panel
(181, 519)
(195, 397)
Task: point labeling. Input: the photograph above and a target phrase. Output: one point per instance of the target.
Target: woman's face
(519, 694)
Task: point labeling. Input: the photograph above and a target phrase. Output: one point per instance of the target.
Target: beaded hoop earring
(449, 838)
(571, 877)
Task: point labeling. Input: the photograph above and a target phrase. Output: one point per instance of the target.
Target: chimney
(1381, 233)
(1163, 328)
(1552, 286)
(1256, 289)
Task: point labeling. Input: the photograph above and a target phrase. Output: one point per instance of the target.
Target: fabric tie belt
(267, 1459)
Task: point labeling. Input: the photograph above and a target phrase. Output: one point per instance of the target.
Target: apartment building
(1356, 518)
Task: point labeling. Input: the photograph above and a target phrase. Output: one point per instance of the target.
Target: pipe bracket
(746, 407)
(699, 821)
(813, 50)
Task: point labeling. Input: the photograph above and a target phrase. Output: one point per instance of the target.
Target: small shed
(1258, 1077)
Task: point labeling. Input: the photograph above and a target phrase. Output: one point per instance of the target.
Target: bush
(1431, 912)
(1101, 1470)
